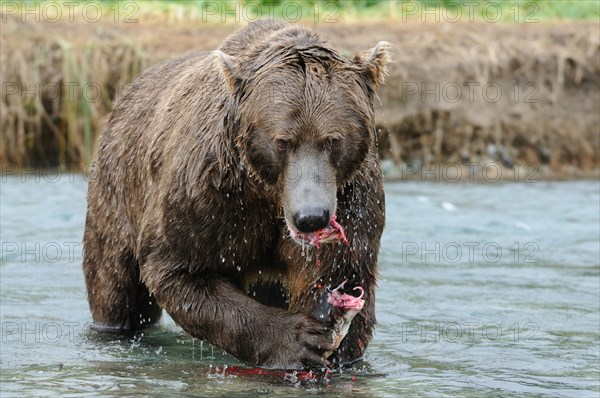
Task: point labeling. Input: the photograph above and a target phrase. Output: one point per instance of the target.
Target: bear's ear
(228, 67)
(374, 61)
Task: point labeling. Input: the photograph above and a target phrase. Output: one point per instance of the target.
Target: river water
(485, 290)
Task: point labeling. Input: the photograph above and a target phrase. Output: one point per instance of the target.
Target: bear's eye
(281, 145)
(334, 144)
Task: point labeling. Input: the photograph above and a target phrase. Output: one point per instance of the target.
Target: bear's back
(253, 33)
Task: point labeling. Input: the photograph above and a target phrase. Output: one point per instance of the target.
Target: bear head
(305, 120)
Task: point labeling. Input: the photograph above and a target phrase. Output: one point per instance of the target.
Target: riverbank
(457, 93)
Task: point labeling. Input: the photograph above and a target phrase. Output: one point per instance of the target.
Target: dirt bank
(457, 93)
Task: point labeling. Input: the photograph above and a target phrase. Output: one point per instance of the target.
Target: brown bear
(213, 173)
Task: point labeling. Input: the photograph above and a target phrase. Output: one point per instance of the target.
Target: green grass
(486, 10)
(218, 11)
(351, 10)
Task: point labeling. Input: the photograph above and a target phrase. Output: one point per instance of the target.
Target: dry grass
(57, 93)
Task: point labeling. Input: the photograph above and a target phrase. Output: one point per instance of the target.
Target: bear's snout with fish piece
(240, 190)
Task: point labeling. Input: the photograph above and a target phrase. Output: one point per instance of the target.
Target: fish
(310, 376)
(344, 307)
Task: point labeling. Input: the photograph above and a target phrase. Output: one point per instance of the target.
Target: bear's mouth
(332, 233)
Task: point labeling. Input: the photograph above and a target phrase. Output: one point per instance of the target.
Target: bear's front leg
(209, 306)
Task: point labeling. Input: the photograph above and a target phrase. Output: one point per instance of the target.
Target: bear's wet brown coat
(185, 208)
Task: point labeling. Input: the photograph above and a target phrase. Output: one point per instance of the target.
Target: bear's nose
(311, 219)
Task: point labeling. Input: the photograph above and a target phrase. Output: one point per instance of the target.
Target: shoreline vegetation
(512, 85)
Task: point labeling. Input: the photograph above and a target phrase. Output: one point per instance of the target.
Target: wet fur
(185, 208)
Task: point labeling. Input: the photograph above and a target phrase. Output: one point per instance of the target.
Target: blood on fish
(345, 308)
(346, 301)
